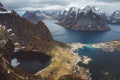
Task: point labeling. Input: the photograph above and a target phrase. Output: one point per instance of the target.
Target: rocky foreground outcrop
(7, 71)
(17, 32)
(53, 72)
(23, 31)
(89, 18)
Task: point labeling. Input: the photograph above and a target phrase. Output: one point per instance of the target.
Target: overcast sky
(22, 5)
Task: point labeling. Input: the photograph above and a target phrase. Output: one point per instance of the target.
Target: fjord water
(102, 62)
(63, 34)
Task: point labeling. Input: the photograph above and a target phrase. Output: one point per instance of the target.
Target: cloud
(22, 5)
(108, 0)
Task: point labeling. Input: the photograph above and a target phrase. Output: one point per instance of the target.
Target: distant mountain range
(36, 16)
(88, 18)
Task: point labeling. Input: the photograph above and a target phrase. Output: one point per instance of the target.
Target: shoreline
(104, 46)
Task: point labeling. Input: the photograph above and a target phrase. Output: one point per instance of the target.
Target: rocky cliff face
(88, 18)
(19, 33)
(16, 30)
(22, 29)
(2, 7)
(8, 72)
(115, 17)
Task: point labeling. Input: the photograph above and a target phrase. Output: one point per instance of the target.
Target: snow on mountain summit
(116, 14)
(115, 17)
(73, 9)
(3, 10)
(1, 5)
(88, 18)
(91, 8)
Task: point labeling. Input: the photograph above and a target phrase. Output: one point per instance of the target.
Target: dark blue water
(67, 35)
(31, 61)
(102, 62)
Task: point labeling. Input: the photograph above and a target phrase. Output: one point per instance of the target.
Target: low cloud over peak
(105, 5)
(109, 0)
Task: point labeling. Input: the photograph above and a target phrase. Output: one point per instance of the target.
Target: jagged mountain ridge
(59, 14)
(88, 18)
(24, 29)
(2, 7)
(77, 17)
(35, 16)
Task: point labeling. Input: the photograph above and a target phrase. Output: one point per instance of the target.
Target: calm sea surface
(68, 35)
(103, 65)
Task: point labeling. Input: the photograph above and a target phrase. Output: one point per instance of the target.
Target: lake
(66, 35)
(31, 61)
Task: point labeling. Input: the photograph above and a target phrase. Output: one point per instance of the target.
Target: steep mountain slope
(88, 18)
(2, 7)
(23, 29)
(115, 17)
(17, 32)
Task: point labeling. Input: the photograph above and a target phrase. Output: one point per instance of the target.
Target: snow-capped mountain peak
(79, 10)
(63, 12)
(88, 9)
(91, 8)
(73, 9)
(115, 17)
(117, 12)
(1, 5)
(3, 10)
